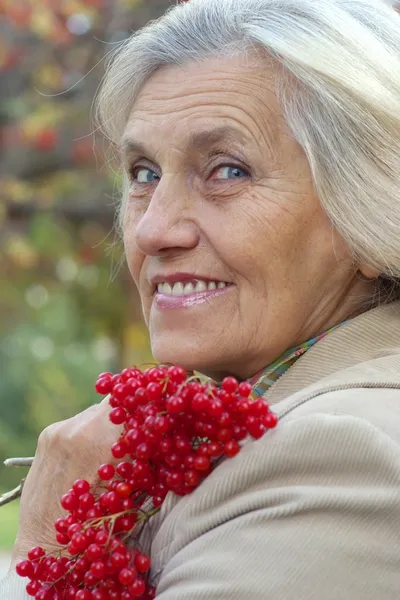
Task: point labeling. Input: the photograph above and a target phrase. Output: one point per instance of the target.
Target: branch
(19, 462)
(11, 495)
(16, 492)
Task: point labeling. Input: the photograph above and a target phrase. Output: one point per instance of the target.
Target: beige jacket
(311, 510)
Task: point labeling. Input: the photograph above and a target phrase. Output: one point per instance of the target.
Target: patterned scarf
(263, 380)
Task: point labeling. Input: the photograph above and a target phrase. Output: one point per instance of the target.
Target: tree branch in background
(16, 492)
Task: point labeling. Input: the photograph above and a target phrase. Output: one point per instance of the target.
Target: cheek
(134, 258)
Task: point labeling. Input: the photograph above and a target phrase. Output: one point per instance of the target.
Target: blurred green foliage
(68, 307)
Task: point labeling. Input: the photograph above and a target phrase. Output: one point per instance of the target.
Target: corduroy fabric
(311, 510)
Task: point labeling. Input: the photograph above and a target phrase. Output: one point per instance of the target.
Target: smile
(189, 288)
(188, 294)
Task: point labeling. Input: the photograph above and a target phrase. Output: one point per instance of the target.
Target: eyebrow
(196, 140)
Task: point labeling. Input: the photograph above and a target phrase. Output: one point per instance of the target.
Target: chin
(191, 355)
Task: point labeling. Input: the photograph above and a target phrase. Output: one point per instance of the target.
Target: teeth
(201, 286)
(180, 289)
(177, 290)
(189, 289)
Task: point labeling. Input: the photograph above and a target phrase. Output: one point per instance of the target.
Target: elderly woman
(260, 141)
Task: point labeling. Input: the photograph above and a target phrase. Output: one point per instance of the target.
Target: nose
(168, 226)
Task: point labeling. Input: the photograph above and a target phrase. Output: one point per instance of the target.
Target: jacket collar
(342, 356)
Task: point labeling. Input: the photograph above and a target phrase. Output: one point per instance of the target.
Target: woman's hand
(66, 451)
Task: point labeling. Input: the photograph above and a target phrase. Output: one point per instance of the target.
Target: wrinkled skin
(240, 209)
(259, 226)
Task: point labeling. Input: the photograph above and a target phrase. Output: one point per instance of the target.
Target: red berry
(124, 469)
(154, 391)
(137, 588)
(103, 385)
(60, 525)
(70, 592)
(270, 420)
(229, 385)
(118, 450)
(74, 528)
(86, 501)
(43, 594)
(151, 593)
(120, 391)
(117, 416)
(142, 562)
(106, 472)
(119, 559)
(56, 571)
(174, 479)
(200, 402)
(83, 595)
(177, 374)
(231, 448)
(113, 502)
(98, 569)
(160, 424)
(239, 432)
(62, 538)
(69, 501)
(36, 553)
(225, 434)
(32, 588)
(79, 541)
(143, 451)
(175, 405)
(81, 486)
(100, 594)
(101, 537)
(214, 449)
(123, 489)
(94, 552)
(126, 576)
(201, 463)
(244, 389)
(25, 569)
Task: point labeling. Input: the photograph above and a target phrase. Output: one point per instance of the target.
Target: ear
(369, 272)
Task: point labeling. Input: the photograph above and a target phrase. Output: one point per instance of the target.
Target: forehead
(205, 102)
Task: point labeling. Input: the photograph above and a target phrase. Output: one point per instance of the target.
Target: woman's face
(220, 193)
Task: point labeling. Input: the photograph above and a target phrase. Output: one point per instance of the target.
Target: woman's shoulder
(368, 392)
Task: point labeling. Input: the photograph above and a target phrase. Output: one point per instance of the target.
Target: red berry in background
(82, 150)
(46, 139)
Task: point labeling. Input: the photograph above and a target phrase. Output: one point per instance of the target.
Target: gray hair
(344, 109)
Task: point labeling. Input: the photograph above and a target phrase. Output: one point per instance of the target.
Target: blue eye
(229, 172)
(144, 175)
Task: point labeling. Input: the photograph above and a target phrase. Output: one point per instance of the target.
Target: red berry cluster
(174, 429)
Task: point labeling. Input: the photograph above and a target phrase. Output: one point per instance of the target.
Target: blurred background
(68, 309)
